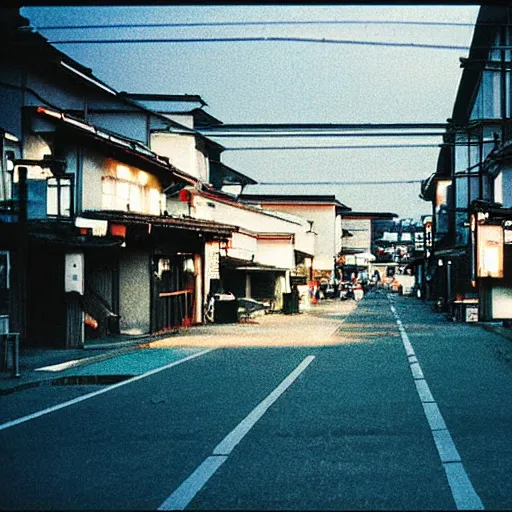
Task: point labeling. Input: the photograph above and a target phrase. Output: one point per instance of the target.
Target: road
(386, 406)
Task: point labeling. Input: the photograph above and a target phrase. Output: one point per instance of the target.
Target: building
(324, 214)
(87, 245)
(470, 262)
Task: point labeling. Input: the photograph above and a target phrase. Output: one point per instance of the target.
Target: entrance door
(173, 292)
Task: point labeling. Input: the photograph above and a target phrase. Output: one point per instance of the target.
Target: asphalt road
(399, 409)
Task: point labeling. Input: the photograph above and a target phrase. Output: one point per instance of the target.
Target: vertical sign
(490, 251)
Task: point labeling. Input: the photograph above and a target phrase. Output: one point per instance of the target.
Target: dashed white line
(184, 494)
(463, 492)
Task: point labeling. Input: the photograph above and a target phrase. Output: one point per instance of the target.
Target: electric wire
(320, 183)
(255, 23)
(299, 148)
(264, 39)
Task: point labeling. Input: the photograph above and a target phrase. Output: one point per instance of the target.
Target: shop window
(59, 190)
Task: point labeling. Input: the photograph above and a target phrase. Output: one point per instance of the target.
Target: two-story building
(89, 246)
(469, 263)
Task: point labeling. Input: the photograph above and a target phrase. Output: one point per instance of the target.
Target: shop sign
(428, 234)
(490, 251)
(212, 263)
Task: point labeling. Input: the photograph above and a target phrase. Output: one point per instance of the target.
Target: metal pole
(16, 355)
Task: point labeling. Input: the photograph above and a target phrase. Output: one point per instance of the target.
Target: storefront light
(490, 251)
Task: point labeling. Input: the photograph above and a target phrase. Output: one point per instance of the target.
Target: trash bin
(225, 311)
(290, 303)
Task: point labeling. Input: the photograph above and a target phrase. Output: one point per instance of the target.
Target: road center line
(57, 407)
(184, 494)
(462, 489)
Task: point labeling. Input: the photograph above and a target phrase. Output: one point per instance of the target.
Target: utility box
(74, 272)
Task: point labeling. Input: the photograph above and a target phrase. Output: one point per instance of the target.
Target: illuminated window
(129, 195)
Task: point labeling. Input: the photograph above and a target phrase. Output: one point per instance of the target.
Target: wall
(134, 292)
(278, 253)
(324, 218)
(501, 303)
(127, 124)
(180, 149)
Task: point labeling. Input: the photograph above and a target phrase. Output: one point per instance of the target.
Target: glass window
(461, 153)
(461, 192)
(58, 196)
(492, 94)
(488, 143)
(474, 188)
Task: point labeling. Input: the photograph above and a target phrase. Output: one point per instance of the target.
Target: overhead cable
(387, 182)
(254, 23)
(293, 148)
(261, 40)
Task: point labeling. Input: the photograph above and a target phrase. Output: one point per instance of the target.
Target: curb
(48, 379)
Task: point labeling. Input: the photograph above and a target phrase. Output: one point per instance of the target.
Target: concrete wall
(134, 292)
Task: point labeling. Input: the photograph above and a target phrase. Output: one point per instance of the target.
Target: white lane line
(463, 492)
(57, 407)
(445, 446)
(225, 447)
(424, 390)
(184, 494)
(416, 371)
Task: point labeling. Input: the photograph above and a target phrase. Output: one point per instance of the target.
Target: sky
(293, 82)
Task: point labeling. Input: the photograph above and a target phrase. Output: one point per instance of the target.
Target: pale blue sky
(292, 82)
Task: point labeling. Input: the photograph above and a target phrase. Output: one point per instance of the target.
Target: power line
(324, 135)
(294, 148)
(254, 23)
(262, 40)
(387, 182)
(261, 127)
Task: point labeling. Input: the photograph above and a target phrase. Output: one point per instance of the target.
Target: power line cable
(255, 23)
(387, 182)
(294, 148)
(263, 40)
(325, 135)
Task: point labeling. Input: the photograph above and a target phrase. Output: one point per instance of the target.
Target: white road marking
(463, 492)
(434, 417)
(57, 407)
(225, 447)
(416, 371)
(184, 494)
(445, 446)
(423, 390)
(58, 367)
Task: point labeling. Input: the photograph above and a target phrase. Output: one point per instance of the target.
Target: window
(59, 196)
(128, 195)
